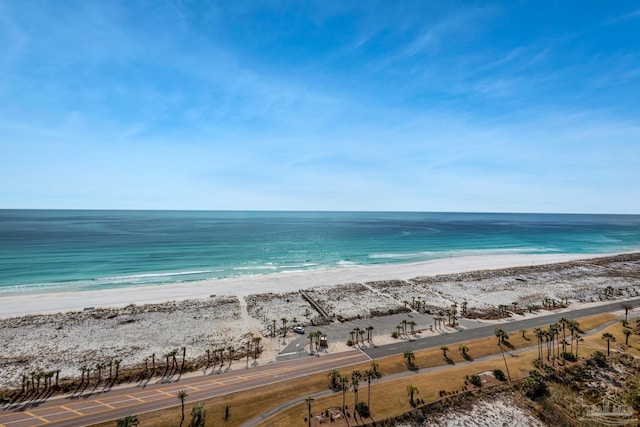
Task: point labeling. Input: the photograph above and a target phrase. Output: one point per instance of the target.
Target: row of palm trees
(344, 383)
(551, 337)
(401, 328)
(317, 336)
(357, 334)
(33, 378)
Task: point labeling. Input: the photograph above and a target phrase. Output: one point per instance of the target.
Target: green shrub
(475, 380)
(535, 387)
(362, 409)
(499, 375)
(350, 343)
(599, 359)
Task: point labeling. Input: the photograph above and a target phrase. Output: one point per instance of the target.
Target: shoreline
(15, 305)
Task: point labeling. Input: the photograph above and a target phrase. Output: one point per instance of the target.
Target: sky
(513, 106)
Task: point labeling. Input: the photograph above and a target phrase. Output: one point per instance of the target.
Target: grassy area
(388, 398)
(596, 342)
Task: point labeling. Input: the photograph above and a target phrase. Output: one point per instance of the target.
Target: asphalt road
(92, 408)
(483, 331)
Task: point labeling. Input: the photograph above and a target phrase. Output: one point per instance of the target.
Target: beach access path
(92, 408)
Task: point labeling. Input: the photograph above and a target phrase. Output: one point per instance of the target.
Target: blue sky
(320, 105)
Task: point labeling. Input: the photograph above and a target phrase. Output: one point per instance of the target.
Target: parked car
(298, 330)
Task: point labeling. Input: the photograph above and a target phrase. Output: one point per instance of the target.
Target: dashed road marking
(31, 414)
(71, 410)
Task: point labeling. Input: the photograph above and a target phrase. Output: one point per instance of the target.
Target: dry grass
(595, 342)
(389, 398)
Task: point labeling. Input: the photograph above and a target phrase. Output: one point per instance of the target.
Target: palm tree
(444, 349)
(539, 333)
(256, 346)
(412, 324)
(182, 394)
(563, 321)
(344, 386)
(501, 335)
(374, 367)
(627, 308)
(410, 358)
(626, 332)
(284, 326)
(463, 349)
(463, 306)
(369, 375)
(369, 333)
(311, 336)
(355, 381)
(334, 376)
(128, 421)
(578, 338)
(309, 400)
(361, 332)
(198, 414)
(411, 390)
(608, 337)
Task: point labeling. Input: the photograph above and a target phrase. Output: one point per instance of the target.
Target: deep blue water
(50, 250)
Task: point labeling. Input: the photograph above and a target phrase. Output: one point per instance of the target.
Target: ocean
(76, 250)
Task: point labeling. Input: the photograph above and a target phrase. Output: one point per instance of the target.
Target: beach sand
(52, 331)
(33, 303)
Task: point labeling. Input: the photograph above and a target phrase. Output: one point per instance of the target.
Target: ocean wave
(345, 263)
(152, 275)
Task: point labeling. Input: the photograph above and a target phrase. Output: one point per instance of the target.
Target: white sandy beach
(33, 303)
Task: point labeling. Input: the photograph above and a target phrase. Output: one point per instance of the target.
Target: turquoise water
(42, 250)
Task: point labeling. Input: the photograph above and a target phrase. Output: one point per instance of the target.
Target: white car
(298, 330)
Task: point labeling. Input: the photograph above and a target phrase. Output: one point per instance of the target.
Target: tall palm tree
(182, 394)
(256, 346)
(578, 338)
(540, 337)
(626, 332)
(369, 375)
(608, 338)
(500, 334)
(627, 308)
(344, 386)
(369, 333)
(412, 325)
(411, 390)
(563, 321)
(309, 400)
(355, 381)
(311, 336)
